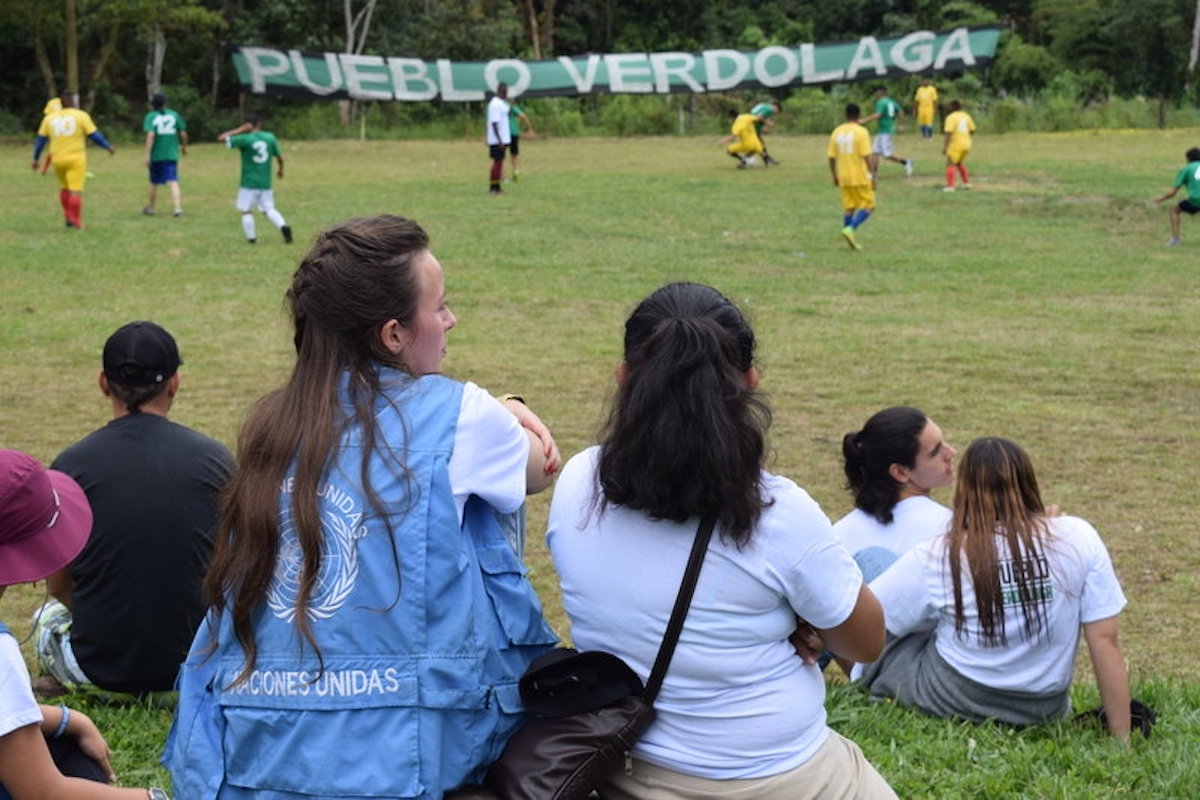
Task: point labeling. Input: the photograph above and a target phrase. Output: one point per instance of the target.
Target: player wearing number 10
(67, 130)
(852, 165)
(258, 147)
(166, 139)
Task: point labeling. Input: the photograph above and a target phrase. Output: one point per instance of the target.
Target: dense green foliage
(1085, 53)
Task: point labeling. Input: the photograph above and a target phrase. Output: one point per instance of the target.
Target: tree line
(116, 53)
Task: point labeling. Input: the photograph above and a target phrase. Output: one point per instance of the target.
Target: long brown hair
(686, 435)
(357, 277)
(997, 500)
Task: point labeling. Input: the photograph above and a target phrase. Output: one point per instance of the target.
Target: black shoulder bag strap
(683, 601)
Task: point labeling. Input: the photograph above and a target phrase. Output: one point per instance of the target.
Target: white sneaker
(908, 167)
(1172, 242)
(947, 188)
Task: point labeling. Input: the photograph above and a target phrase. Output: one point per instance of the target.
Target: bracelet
(62, 722)
(504, 398)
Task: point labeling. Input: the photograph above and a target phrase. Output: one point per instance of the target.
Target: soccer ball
(753, 161)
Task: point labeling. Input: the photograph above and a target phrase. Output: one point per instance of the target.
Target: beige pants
(838, 771)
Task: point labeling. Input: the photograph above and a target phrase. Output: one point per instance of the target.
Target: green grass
(1041, 306)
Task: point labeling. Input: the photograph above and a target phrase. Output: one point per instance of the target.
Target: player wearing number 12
(257, 147)
(852, 165)
(166, 139)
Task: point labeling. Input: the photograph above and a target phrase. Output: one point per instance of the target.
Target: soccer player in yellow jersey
(66, 130)
(852, 165)
(926, 99)
(959, 127)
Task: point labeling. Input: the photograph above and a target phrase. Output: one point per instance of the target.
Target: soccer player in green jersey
(257, 147)
(888, 112)
(166, 140)
(1188, 177)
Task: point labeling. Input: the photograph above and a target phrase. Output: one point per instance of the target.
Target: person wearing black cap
(44, 750)
(166, 140)
(127, 607)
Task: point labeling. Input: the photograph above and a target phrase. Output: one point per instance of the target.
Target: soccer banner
(291, 73)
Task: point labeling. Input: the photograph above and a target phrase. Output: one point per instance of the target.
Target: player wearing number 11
(852, 165)
(257, 147)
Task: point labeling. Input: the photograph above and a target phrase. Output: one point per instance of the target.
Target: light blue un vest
(424, 635)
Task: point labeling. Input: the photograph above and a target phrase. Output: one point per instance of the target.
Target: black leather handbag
(587, 710)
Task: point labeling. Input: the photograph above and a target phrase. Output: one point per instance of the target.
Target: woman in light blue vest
(370, 619)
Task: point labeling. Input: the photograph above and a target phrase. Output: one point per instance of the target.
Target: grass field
(1040, 306)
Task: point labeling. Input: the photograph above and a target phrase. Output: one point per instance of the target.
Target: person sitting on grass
(45, 751)
(985, 619)
(1188, 176)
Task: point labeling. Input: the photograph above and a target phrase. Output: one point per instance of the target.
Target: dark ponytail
(891, 436)
(686, 435)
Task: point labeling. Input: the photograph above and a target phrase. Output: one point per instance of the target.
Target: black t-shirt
(153, 487)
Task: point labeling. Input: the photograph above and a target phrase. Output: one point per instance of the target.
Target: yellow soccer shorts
(957, 155)
(924, 115)
(856, 197)
(748, 142)
(71, 172)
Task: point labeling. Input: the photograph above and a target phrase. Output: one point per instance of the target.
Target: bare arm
(245, 126)
(27, 771)
(279, 172)
(81, 728)
(183, 142)
(149, 145)
(861, 637)
(61, 587)
(1112, 678)
(1167, 196)
(544, 458)
(833, 170)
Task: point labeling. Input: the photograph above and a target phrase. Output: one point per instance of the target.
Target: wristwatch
(157, 794)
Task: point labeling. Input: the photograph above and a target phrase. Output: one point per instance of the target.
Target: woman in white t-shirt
(892, 465)
(987, 617)
(740, 715)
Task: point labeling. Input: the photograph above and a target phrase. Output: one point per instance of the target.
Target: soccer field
(1040, 306)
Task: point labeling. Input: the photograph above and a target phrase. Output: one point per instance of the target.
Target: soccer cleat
(908, 167)
(770, 162)
(148, 211)
(286, 230)
(1172, 242)
(947, 188)
(966, 187)
(848, 235)
(516, 176)
(177, 213)
(742, 164)
(251, 241)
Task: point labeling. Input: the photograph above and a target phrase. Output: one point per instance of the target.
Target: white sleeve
(903, 593)
(491, 451)
(17, 705)
(1102, 594)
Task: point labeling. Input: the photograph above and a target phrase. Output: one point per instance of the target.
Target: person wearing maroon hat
(44, 523)
(125, 610)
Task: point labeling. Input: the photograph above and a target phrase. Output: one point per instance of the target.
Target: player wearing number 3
(66, 130)
(852, 165)
(258, 147)
(166, 140)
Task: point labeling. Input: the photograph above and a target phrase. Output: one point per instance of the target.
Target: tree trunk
(100, 69)
(548, 23)
(71, 45)
(44, 66)
(1194, 56)
(531, 27)
(358, 26)
(154, 64)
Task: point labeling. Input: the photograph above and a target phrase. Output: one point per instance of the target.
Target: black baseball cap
(140, 354)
